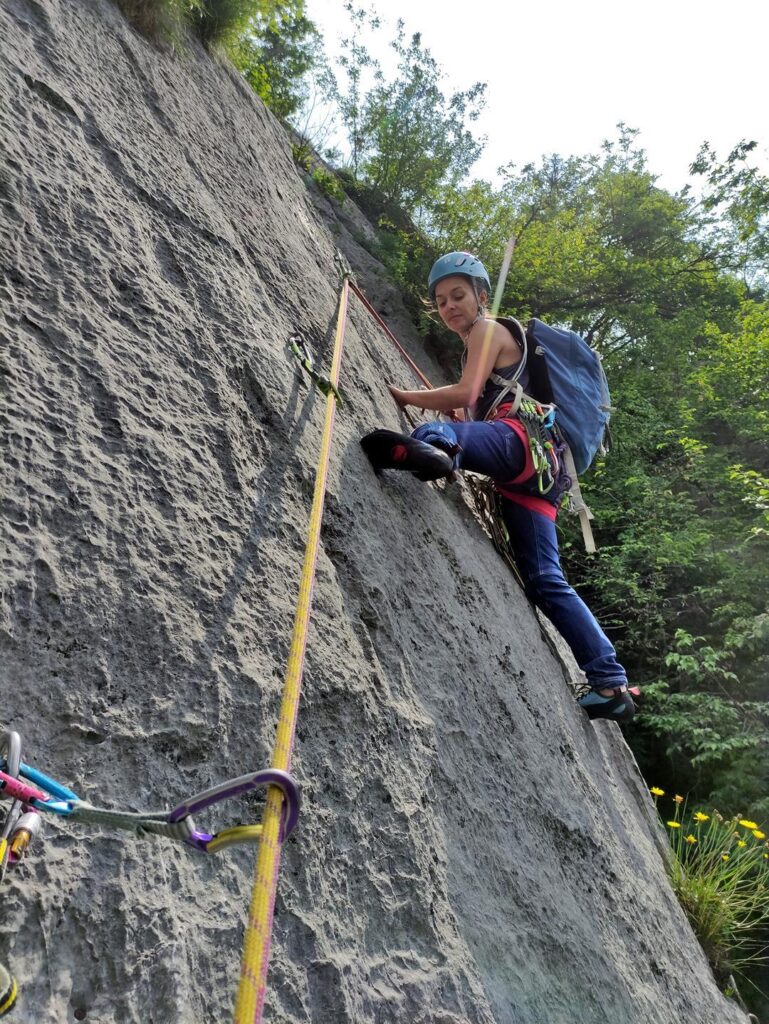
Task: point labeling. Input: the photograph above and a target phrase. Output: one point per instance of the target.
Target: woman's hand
(398, 395)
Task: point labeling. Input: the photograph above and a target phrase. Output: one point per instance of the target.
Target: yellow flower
(748, 824)
(656, 791)
(673, 824)
(690, 839)
(699, 816)
(678, 799)
(741, 842)
(759, 834)
(724, 856)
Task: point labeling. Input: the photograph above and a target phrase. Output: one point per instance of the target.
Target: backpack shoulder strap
(510, 385)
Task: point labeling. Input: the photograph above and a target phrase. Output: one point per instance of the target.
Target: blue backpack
(565, 371)
(559, 368)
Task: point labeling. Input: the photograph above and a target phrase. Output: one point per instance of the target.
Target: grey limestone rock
(471, 849)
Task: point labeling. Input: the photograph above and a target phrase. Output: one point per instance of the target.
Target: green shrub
(220, 22)
(159, 19)
(302, 155)
(329, 184)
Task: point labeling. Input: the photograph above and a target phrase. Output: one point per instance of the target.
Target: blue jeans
(495, 450)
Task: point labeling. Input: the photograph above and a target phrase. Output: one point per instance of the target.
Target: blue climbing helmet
(463, 264)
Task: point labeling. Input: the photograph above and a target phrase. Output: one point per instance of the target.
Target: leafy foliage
(406, 138)
(598, 244)
(737, 197)
(160, 19)
(215, 22)
(418, 138)
(274, 53)
(222, 22)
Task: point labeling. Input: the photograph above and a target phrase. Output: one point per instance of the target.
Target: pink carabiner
(18, 790)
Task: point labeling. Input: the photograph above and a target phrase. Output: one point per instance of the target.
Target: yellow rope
(256, 948)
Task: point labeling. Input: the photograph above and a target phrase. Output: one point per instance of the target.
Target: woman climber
(490, 438)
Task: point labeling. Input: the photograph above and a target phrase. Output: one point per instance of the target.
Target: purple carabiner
(234, 787)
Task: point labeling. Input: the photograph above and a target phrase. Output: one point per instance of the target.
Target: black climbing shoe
(387, 449)
(619, 706)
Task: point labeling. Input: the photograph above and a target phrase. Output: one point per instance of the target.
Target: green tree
(418, 139)
(274, 54)
(599, 244)
(357, 64)
(737, 197)
(406, 138)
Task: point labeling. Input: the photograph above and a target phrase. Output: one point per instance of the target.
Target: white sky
(562, 74)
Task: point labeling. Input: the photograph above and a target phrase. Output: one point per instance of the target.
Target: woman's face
(457, 303)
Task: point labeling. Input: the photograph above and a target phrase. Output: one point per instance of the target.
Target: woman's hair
(478, 287)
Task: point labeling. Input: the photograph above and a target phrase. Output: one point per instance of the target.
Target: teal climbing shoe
(619, 707)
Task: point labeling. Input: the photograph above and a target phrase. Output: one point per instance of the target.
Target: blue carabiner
(48, 784)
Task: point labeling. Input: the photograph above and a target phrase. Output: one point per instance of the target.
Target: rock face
(471, 849)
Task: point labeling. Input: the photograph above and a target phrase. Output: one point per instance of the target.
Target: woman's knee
(548, 587)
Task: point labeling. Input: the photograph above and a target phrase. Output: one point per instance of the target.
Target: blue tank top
(491, 391)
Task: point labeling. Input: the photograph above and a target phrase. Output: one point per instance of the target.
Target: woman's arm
(483, 347)
(435, 399)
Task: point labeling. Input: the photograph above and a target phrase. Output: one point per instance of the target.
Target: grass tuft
(158, 20)
(720, 874)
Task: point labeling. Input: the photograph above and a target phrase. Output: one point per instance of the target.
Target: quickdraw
(300, 350)
(32, 792)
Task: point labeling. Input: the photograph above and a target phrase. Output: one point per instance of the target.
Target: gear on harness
(545, 445)
(387, 449)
